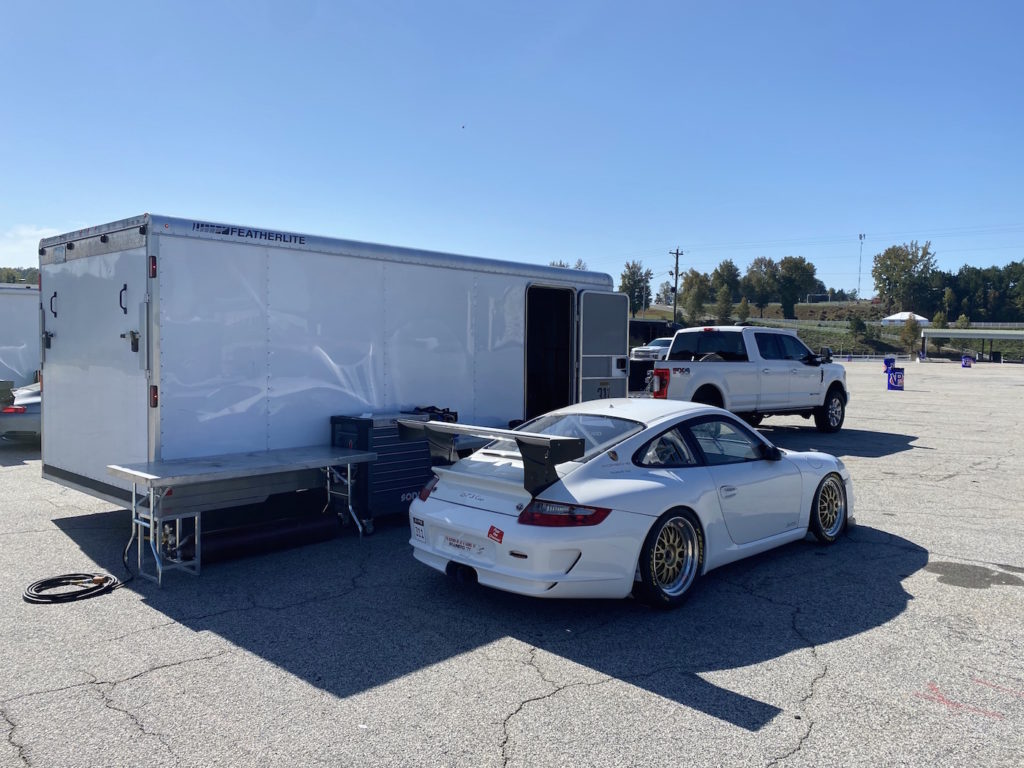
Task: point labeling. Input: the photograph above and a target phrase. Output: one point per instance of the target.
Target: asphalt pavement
(903, 644)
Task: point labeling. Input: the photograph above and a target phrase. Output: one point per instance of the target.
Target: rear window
(693, 346)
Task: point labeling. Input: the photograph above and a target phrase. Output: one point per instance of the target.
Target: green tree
(726, 274)
(636, 283)
(664, 294)
(761, 282)
(580, 264)
(857, 327)
(963, 322)
(910, 335)
(948, 301)
(743, 310)
(723, 306)
(697, 292)
(901, 274)
(795, 280)
(939, 321)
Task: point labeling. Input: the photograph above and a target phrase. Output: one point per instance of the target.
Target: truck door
(604, 345)
(776, 371)
(94, 362)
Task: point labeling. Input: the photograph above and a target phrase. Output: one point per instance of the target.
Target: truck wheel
(828, 510)
(829, 417)
(671, 560)
(753, 419)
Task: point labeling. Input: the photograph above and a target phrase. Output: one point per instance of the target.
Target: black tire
(671, 560)
(830, 416)
(828, 510)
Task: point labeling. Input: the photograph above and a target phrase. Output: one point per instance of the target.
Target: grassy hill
(826, 324)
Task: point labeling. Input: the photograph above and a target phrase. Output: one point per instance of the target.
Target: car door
(758, 497)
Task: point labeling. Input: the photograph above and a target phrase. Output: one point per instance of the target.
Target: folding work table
(153, 482)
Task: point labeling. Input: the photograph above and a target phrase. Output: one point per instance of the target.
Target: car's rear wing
(541, 453)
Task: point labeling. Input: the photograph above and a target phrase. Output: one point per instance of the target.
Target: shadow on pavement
(348, 616)
(848, 442)
(15, 452)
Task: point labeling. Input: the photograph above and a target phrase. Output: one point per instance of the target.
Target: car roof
(646, 410)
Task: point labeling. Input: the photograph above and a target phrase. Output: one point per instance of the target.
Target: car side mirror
(770, 452)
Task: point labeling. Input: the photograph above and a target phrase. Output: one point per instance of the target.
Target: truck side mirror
(825, 354)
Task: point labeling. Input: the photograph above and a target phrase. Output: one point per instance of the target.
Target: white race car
(609, 497)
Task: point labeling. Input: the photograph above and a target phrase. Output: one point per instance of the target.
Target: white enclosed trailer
(19, 333)
(169, 339)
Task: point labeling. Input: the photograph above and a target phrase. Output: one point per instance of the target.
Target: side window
(728, 346)
(667, 450)
(723, 442)
(795, 349)
(768, 346)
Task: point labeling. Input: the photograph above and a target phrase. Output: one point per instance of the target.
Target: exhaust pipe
(461, 574)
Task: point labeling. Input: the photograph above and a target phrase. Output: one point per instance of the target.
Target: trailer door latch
(133, 339)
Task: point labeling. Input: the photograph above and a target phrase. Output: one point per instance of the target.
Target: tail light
(426, 489)
(13, 409)
(554, 515)
(659, 383)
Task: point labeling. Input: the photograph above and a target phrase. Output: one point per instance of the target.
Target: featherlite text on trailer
(168, 339)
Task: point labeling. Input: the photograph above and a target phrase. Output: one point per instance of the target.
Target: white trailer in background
(169, 339)
(19, 333)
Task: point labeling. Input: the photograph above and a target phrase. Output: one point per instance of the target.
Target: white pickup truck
(754, 372)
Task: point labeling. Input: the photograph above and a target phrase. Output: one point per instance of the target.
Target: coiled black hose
(87, 584)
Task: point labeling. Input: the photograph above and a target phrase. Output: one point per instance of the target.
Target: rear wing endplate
(541, 453)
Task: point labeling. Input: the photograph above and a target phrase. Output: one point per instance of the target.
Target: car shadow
(848, 442)
(15, 452)
(347, 615)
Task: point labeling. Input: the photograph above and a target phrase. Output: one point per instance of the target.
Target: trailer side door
(603, 349)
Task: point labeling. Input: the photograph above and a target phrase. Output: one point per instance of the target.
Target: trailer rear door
(604, 345)
(95, 390)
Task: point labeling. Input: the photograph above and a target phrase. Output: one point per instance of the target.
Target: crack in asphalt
(557, 689)
(19, 748)
(105, 690)
(812, 647)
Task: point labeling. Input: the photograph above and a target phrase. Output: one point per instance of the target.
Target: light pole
(860, 260)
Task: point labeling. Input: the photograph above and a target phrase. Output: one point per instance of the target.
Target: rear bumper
(585, 562)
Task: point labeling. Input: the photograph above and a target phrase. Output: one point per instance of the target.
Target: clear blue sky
(529, 131)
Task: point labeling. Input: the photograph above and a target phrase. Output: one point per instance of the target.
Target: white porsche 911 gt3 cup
(609, 497)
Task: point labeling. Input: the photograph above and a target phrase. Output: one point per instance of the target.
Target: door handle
(120, 299)
(766, 370)
(53, 299)
(728, 491)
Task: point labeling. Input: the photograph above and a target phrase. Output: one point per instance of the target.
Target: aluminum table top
(161, 474)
